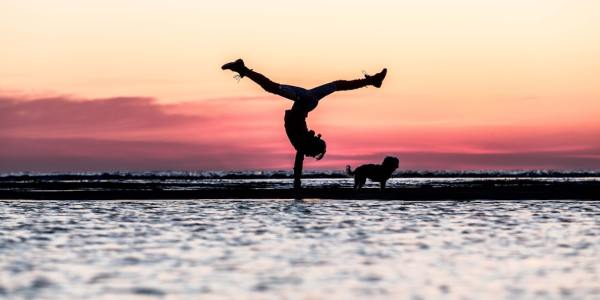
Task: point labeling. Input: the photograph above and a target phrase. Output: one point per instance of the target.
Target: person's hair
(315, 147)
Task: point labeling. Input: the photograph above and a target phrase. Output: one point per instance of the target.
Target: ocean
(310, 248)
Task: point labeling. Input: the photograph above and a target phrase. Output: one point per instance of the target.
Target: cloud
(104, 155)
(138, 133)
(62, 116)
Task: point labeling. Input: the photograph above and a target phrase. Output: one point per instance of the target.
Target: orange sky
(471, 84)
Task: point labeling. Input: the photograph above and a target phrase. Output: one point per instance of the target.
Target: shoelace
(239, 77)
(366, 75)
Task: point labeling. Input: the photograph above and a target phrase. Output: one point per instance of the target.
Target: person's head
(315, 147)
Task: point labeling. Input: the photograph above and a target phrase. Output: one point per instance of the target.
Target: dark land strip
(518, 189)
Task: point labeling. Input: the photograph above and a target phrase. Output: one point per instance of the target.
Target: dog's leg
(361, 182)
(382, 185)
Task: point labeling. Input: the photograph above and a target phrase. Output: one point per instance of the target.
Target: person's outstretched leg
(345, 85)
(239, 67)
(287, 91)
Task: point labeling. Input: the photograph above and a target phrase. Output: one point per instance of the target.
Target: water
(286, 249)
(177, 181)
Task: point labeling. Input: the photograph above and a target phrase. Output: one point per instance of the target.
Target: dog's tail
(349, 171)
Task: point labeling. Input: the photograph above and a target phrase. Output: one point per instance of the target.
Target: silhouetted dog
(379, 173)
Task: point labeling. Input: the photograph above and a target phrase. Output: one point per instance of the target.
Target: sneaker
(377, 79)
(236, 66)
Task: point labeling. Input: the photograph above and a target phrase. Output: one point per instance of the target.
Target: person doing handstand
(304, 141)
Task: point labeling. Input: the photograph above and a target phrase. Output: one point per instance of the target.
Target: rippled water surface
(312, 249)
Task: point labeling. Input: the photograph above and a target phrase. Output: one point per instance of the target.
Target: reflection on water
(74, 182)
(318, 249)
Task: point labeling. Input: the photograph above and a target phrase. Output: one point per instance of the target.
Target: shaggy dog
(379, 173)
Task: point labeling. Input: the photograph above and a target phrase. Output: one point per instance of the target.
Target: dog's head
(390, 163)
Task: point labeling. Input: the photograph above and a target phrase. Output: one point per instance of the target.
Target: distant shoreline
(280, 174)
(476, 190)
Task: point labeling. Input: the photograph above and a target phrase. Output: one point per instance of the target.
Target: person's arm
(298, 170)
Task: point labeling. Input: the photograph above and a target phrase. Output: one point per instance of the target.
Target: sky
(137, 85)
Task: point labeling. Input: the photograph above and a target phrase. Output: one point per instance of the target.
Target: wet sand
(512, 189)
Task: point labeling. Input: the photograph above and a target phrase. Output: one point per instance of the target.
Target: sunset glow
(137, 85)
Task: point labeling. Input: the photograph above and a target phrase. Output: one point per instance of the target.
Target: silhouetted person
(304, 141)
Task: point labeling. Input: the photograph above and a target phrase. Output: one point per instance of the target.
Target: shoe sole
(228, 65)
(382, 78)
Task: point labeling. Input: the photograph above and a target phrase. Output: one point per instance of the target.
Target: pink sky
(136, 85)
(65, 134)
